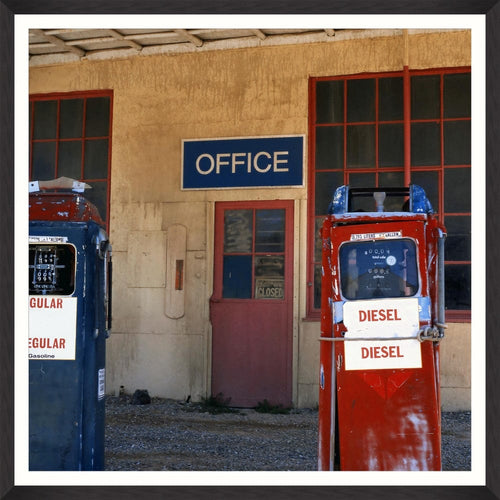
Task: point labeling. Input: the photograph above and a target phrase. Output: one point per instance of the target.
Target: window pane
(317, 286)
(329, 148)
(237, 277)
(457, 284)
(330, 102)
(97, 117)
(457, 243)
(45, 120)
(99, 197)
(44, 161)
(96, 159)
(70, 159)
(362, 203)
(430, 182)
(391, 179)
(318, 240)
(71, 119)
(378, 269)
(326, 183)
(456, 95)
(269, 277)
(425, 144)
(238, 231)
(457, 190)
(425, 97)
(390, 145)
(270, 230)
(390, 91)
(362, 180)
(457, 139)
(361, 100)
(361, 146)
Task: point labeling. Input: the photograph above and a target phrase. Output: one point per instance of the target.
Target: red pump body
(382, 318)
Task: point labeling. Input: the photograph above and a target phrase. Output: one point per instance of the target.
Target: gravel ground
(172, 435)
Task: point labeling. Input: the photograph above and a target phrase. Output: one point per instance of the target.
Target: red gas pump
(382, 317)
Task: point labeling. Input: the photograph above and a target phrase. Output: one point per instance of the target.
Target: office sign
(243, 162)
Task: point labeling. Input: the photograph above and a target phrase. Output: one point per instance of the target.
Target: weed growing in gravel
(266, 407)
(216, 404)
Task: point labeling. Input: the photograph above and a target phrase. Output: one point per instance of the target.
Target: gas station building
(213, 155)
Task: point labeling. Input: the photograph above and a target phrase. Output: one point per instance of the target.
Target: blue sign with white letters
(240, 163)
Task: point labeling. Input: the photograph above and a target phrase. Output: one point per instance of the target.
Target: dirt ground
(169, 435)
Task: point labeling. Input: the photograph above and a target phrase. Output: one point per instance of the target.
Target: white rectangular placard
(52, 327)
(389, 319)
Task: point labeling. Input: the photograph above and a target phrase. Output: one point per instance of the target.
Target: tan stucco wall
(160, 100)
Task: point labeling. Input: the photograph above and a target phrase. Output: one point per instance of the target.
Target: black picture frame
(10, 8)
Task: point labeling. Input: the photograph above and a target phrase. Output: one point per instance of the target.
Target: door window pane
(456, 95)
(45, 126)
(361, 146)
(361, 100)
(270, 230)
(329, 148)
(425, 144)
(44, 161)
(390, 91)
(238, 231)
(237, 277)
(330, 102)
(457, 140)
(425, 97)
(269, 277)
(97, 117)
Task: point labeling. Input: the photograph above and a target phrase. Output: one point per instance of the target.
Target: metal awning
(59, 46)
(68, 45)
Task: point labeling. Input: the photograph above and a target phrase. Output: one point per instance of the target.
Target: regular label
(52, 327)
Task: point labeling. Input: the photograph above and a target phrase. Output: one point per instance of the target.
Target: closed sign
(382, 319)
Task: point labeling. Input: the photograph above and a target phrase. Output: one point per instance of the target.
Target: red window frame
(312, 312)
(84, 95)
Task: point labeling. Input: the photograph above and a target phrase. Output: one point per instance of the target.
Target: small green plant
(266, 407)
(216, 404)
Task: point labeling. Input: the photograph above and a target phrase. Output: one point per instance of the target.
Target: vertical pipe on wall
(406, 107)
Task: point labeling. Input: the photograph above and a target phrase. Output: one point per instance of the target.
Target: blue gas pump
(69, 321)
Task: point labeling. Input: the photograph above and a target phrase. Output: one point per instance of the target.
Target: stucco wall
(160, 100)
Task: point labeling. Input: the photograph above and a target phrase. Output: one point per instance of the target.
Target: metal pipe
(441, 296)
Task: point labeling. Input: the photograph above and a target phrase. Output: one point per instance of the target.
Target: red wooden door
(251, 307)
